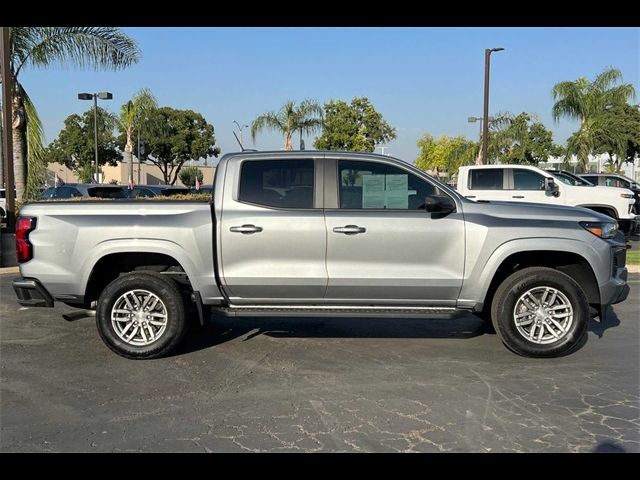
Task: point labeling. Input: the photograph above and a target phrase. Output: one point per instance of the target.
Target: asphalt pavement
(330, 385)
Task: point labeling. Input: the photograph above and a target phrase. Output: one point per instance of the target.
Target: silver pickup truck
(322, 233)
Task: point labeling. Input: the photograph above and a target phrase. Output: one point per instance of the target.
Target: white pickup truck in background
(525, 183)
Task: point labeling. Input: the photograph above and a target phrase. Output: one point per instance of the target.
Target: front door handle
(350, 229)
(246, 229)
(517, 196)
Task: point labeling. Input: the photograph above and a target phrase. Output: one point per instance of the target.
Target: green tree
(445, 153)
(132, 116)
(98, 47)
(623, 142)
(520, 139)
(189, 174)
(588, 102)
(354, 127)
(175, 136)
(75, 145)
(306, 118)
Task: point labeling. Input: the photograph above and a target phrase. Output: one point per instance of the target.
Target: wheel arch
(110, 261)
(604, 209)
(560, 254)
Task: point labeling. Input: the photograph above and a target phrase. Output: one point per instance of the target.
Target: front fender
(476, 284)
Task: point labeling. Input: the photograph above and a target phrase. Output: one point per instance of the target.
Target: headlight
(626, 195)
(601, 229)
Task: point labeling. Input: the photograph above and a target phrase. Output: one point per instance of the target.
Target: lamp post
(485, 125)
(95, 97)
(240, 128)
(7, 138)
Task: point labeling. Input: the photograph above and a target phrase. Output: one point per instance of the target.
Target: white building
(597, 164)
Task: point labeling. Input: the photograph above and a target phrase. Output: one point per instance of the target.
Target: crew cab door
(487, 183)
(272, 231)
(529, 186)
(382, 246)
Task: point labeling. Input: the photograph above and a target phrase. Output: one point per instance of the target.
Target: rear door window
(487, 179)
(278, 183)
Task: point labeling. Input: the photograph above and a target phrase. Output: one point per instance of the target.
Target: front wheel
(540, 312)
(141, 315)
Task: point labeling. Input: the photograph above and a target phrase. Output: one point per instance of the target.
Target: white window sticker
(373, 193)
(397, 192)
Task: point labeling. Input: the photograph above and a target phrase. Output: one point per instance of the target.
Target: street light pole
(7, 138)
(139, 157)
(95, 97)
(485, 123)
(240, 128)
(95, 132)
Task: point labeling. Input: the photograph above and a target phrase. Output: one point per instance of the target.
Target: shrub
(189, 174)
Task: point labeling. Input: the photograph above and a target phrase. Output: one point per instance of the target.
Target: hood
(533, 211)
(615, 191)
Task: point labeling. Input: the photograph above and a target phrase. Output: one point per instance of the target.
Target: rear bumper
(31, 293)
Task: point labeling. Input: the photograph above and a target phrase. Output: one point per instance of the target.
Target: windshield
(571, 179)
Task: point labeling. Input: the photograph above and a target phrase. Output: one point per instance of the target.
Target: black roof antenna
(239, 142)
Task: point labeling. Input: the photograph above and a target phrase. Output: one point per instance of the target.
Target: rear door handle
(349, 229)
(517, 196)
(246, 229)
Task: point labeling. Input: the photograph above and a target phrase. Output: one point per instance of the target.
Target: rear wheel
(141, 315)
(540, 312)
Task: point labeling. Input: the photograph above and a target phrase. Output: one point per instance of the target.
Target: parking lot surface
(330, 385)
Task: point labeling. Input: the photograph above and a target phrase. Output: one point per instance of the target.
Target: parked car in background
(614, 180)
(203, 189)
(149, 191)
(525, 183)
(86, 190)
(3, 203)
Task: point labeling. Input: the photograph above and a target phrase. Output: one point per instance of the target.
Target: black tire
(513, 287)
(166, 290)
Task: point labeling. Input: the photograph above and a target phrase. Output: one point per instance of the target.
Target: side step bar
(338, 311)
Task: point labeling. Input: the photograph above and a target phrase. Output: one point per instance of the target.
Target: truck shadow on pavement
(224, 329)
(611, 320)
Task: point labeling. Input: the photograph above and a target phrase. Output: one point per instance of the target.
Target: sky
(422, 80)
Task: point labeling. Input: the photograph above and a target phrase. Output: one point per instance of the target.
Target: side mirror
(439, 204)
(551, 187)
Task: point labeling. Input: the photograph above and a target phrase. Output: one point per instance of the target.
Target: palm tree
(306, 119)
(98, 47)
(587, 102)
(132, 115)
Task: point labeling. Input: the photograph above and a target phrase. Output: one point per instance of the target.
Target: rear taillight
(24, 249)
